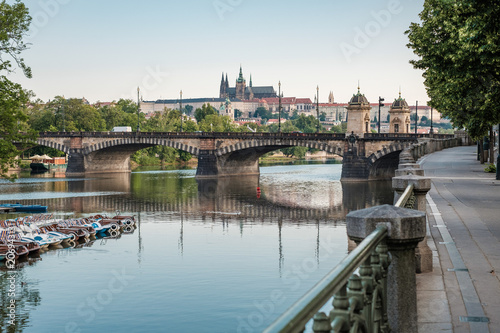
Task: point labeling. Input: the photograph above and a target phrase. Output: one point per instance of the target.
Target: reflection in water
(18, 297)
(208, 249)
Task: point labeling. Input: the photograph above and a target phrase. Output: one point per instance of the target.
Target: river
(214, 255)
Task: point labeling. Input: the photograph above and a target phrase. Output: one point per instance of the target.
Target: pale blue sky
(103, 50)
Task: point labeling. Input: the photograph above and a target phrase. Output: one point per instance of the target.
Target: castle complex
(246, 99)
(242, 91)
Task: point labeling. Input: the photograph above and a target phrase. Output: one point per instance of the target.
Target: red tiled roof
(284, 100)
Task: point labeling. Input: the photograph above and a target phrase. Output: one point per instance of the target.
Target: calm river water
(207, 256)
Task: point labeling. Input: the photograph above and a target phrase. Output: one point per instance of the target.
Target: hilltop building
(242, 91)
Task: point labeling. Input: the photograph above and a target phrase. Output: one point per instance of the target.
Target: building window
(366, 127)
(396, 128)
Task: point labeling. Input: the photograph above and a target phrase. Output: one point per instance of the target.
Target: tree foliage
(14, 23)
(458, 45)
(205, 110)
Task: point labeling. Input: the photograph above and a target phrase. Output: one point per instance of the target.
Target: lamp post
(279, 107)
(498, 156)
(432, 129)
(138, 107)
(317, 108)
(180, 107)
(64, 123)
(380, 100)
(416, 117)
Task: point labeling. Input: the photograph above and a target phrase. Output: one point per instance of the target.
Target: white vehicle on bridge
(122, 129)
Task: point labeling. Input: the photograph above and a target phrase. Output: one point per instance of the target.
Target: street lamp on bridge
(380, 100)
(180, 109)
(279, 107)
(138, 107)
(416, 117)
(317, 108)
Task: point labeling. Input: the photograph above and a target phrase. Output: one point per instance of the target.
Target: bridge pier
(237, 163)
(355, 168)
(76, 163)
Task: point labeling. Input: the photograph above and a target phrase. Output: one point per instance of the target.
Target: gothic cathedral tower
(240, 86)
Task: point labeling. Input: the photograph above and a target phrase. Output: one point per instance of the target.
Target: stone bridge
(373, 156)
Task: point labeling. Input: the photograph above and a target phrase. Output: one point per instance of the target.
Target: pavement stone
(464, 225)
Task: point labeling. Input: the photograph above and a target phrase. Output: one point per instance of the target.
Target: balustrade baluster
(321, 323)
(340, 312)
(384, 262)
(367, 281)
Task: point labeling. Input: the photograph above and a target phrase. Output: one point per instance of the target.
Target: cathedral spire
(250, 80)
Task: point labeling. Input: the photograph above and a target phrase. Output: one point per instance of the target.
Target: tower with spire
(358, 114)
(242, 91)
(241, 84)
(399, 116)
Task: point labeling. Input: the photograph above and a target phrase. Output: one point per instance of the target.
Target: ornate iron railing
(359, 300)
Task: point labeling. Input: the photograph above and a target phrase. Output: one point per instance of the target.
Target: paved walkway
(462, 294)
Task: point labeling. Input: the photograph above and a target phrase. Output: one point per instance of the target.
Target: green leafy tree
(216, 123)
(306, 124)
(127, 105)
(237, 113)
(188, 109)
(263, 113)
(297, 152)
(342, 128)
(322, 116)
(458, 45)
(205, 110)
(14, 21)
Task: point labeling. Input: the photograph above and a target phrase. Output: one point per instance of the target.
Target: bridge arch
(384, 162)
(53, 144)
(270, 145)
(142, 143)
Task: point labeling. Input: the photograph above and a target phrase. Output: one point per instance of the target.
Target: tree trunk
(481, 151)
(492, 145)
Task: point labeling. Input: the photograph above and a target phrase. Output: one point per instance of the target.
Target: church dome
(399, 103)
(358, 99)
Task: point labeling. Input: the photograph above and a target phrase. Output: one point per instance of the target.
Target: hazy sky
(103, 50)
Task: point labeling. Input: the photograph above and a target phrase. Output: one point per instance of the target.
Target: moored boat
(25, 208)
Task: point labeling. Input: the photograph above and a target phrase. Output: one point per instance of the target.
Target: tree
(237, 113)
(205, 110)
(263, 113)
(14, 22)
(127, 105)
(458, 45)
(322, 116)
(306, 124)
(188, 109)
(216, 123)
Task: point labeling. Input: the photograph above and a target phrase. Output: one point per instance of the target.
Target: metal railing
(201, 135)
(360, 301)
(407, 199)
